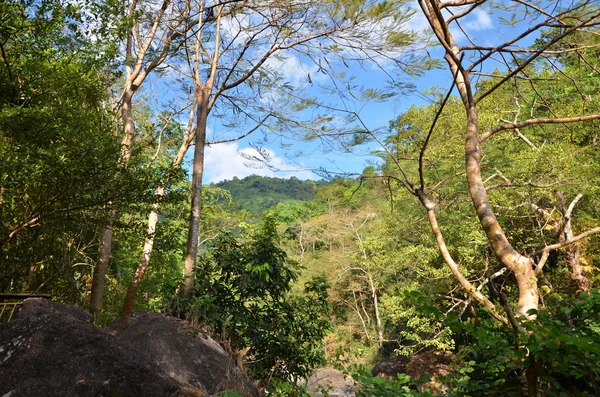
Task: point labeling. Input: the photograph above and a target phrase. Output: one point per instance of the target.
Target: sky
(227, 160)
(224, 161)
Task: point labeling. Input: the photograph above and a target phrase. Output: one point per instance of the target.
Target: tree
(150, 35)
(57, 147)
(243, 290)
(519, 65)
(229, 55)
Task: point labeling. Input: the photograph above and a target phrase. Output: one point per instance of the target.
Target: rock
(51, 349)
(433, 364)
(330, 382)
(35, 307)
(183, 354)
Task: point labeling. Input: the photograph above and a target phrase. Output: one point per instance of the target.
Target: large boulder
(330, 382)
(435, 365)
(51, 349)
(183, 353)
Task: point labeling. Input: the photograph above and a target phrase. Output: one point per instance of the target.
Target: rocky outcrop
(331, 383)
(182, 354)
(54, 350)
(435, 365)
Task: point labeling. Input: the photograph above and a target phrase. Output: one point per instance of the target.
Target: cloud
(477, 21)
(294, 70)
(224, 161)
(481, 22)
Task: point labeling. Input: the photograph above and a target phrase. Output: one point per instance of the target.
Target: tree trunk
(532, 375)
(97, 293)
(362, 320)
(376, 306)
(153, 221)
(101, 267)
(145, 258)
(521, 266)
(202, 94)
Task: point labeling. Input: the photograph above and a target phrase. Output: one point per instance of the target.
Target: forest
(472, 233)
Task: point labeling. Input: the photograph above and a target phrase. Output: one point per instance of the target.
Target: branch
(572, 206)
(525, 184)
(535, 55)
(504, 302)
(435, 119)
(546, 250)
(526, 123)
(464, 282)
(458, 3)
(260, 123)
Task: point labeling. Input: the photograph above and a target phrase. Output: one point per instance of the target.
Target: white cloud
(481, 22)
(477, 21)
(224, 161)
(294, 70)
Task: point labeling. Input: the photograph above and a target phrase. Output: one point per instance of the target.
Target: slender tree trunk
(532, 375)
(103, 260)
(202, 93)
(362, 320)
(153, 221)
(146, 254)
(302, 249)
(376, 306)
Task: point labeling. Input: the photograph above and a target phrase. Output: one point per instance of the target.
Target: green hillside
(257, 193)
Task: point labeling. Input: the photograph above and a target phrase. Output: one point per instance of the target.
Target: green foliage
(375, 386)
(287, 389)
(564, 340)
(243, 291)
(290, 212)
(58, 150)
(159, 286)
(415, 324)
(256, 193)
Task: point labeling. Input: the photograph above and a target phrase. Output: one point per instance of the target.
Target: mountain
(257, 193)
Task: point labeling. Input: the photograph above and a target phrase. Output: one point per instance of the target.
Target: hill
(257, 193)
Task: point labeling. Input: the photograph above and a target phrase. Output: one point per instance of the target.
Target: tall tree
(56, 142)
(576, 17)
(234, 54)
(518, 64)
(151, 32)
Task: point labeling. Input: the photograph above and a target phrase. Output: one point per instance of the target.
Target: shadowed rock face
(54, 350)
(435, 365)
(182, 354)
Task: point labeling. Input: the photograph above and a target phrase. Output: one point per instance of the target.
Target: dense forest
(256, 194)
(472, 235)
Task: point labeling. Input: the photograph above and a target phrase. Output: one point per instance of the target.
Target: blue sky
(226, 160)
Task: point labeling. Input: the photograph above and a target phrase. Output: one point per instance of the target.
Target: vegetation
(256, 194)
(473, 232)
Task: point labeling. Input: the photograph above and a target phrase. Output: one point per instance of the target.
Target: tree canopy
(472, 232)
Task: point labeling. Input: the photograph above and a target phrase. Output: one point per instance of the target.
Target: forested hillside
(255, 193)
(464, 257)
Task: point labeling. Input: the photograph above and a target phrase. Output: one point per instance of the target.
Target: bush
(242, 289)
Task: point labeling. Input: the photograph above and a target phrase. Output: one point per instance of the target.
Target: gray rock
(183, 354)
(335, 383)
(51, 350)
